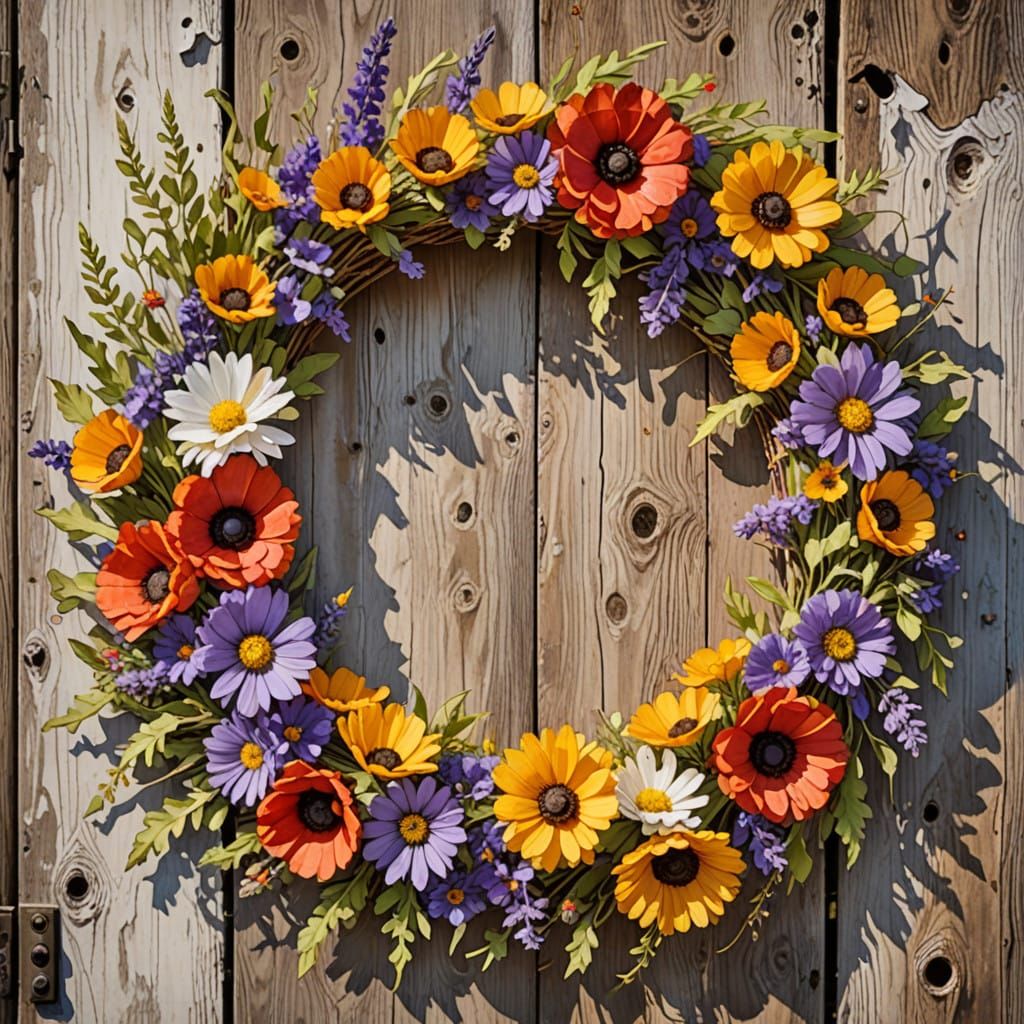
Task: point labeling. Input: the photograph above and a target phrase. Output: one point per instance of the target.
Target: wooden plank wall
(477, 471)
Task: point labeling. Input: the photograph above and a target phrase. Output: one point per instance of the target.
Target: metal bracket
(7, 948)
(40, 951)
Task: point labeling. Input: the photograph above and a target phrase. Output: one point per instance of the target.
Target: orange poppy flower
(107, 454)
(783, 757)
(308, 819)
(144, 579)
(237, 526)
(620, 158)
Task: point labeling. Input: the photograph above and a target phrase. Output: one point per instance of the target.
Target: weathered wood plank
(125, 939)
(929, 919)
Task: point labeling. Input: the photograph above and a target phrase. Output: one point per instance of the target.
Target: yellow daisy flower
(708, 665)
(558, 796)
(260, 189)
(343, 691)
(680, 880)
(826, 483)
(855, 303)
(896, 514)
(235, 289)
(674, 719)
(351, 188)
(389, 743)
(765, 351)
(435, 146)
(775, 201)
(107, 453)
(511, 109)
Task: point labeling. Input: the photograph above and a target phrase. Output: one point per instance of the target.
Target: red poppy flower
(783, 757)
(620, 158)
(144, 579)
(237, 526)
(308, 820)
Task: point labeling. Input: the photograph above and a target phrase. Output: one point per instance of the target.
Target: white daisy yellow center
(255, 651)
(653, 801)
(227, 415)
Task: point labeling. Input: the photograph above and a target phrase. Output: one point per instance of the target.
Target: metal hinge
(33, 926)
(7, 947)
(11, 144)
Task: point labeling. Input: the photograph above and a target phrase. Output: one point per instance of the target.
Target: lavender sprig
(461, 87)
(363, 127)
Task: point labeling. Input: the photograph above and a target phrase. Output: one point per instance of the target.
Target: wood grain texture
(929, 919)
(144, 945)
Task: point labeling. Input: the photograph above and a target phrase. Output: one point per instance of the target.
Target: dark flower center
(316, 811)
(886, 513)
(508, 120)
(682, 727)
(558, 803)
(384, 757)
(850, 311)
(115, 460)
(433, 159)
(234, 298)
(772, 210)
(780, 354)
(617, 163)
(233, 528)
(772, 753)
(157, 584)
(356, 196)
(676, 868)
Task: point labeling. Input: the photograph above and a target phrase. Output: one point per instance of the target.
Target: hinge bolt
(40, 955)
(38, 923)
(40, 984)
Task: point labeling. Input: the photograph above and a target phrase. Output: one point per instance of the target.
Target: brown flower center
(356, 196)
(316, 811)
(434, 160)
(772, 210)
(233, 528)
(558, 804)
(384, 757)
(116, 459)
(157, 584)
(508, 120)
(780, 355)
(772, 753)
(886, 513)
(676, 868)
(617, 163)
(850, 311)
(234, 299)
(682, 727)
(473, 203)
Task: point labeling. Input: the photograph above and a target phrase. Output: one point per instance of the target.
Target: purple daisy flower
(856, 411)
(174, 648)
(765, 841)
(932, 467)
(243, 756)
(690, 221)
(467, 204)
(520, 170)
(255, 655)
(414, 831)
(309, 255)
(775, 661)
(458, 898)
(720, 259)
(304, 726)
(847, 640)
(469, 775)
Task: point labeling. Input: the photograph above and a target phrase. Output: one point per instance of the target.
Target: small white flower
(655, 797)
(221, 412)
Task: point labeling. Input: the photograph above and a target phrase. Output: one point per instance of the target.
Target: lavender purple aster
(775, 661)
(469, 775)
(174, 647)
(462, 86)
(520, 171)
(243, 756)
(467, 205)
(363, 127)
(458, 898)
(304, 726)
(776, 518)
(765, 841)
(55, 454)
(899, 710)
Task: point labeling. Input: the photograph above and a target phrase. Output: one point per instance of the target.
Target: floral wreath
(201, 632)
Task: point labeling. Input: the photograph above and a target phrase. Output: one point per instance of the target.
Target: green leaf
(939, 422)
(800, 863)
(84, 706)
(581, 946)
(170, 820)
(851, 811)
(230, 857)
(815, 550)
(73, 402)
(340, 904)
(770, 593)
(908, 621)
(726, 323)
(934, 370)
(737, 410)
(71, 591)
(78, 522)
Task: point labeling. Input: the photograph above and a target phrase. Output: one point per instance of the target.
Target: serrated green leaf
(84, 706)
(79, 522)
(73, 402)
(737, 410)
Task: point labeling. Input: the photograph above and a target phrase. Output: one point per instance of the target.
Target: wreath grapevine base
(752, 753)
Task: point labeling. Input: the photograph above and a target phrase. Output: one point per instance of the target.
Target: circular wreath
(753, 750)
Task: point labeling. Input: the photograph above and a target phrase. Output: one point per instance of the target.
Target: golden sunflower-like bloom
(680, 881)
(236, 289)
(826, 483)
(511, 109)
(674, 719)
(775, 201)
(435, 146)
(260, 189)
(107, 453)
(765, 351)
(896, 514)
(708, 665)
(343, 690)
(351, 188)
(855, 303)
(558, 796)
(389, 743)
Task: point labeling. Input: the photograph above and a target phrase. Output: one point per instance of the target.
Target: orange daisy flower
(144, 579)
(260, 189)
(620, 158)
(343, 691)
(237, 526)
(107, 453)
(709, 666)
(308, 819)
(783, 757)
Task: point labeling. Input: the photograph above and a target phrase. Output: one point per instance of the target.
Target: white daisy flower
(655, 797)
(221, 412)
